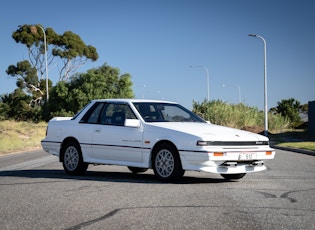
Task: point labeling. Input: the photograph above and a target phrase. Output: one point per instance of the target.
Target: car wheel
(166, 163)
(233, 176)
(137, 169)
(72, 159)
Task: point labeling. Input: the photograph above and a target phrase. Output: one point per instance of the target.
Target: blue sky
(157, 42)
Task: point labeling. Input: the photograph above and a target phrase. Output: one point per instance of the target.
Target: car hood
(212, 132)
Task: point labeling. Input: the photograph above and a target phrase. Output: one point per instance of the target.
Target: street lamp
(34, 30)
(239, 92)
(265, 82)
(207, 72)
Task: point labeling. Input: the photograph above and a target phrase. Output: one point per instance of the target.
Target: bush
(238, 116)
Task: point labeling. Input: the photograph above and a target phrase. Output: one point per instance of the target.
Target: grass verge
(308, 145)
(298, 139)
(20, 136)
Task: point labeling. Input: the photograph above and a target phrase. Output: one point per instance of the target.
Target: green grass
(19, 136)
(308, 145)
(298, 138)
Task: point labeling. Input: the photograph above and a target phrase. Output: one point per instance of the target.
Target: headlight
(202, 143)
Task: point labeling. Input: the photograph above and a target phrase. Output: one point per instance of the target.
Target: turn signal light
(268, 153)
(218, 154)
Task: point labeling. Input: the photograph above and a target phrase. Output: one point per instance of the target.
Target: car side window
(116, 114)
(93, 115)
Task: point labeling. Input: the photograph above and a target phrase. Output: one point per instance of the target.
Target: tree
(27, 80)
(69, 47)
(73, 52)
(33, 38)
(103, 82)
(15, 106)
(290, 109)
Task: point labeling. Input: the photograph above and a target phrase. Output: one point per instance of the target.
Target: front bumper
(227, 162)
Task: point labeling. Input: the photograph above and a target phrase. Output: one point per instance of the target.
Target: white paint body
(132, 144)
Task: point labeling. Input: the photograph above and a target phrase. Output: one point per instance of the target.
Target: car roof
(131, 100)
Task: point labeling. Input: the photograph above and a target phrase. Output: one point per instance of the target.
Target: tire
(166, 163)
(72, 159)
(233, 176)
(137, 169)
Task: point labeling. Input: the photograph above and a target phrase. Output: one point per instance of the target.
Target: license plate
(247, 156)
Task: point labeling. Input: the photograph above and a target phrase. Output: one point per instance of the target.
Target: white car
(150, 134)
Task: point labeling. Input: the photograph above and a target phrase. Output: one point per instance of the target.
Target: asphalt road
(35, 193)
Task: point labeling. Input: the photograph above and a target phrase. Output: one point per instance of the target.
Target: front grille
(236, 143)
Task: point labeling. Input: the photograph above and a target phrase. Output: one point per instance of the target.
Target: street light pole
(34, 30)
(239, 92)
(207, 72)
(265, 82)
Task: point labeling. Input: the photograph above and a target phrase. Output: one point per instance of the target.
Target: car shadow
(119, 177)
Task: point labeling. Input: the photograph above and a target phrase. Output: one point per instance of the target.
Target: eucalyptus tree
(66, 51)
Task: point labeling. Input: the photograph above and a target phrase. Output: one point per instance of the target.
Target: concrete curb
(303, 151)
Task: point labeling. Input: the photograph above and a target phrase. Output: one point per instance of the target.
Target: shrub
(238, 116)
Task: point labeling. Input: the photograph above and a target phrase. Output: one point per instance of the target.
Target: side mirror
(133, 123)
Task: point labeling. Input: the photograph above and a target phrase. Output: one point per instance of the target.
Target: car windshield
(165, 112)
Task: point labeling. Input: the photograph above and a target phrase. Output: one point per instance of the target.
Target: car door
(114, 143)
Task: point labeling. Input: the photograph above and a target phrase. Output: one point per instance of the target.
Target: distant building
(311, 118)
